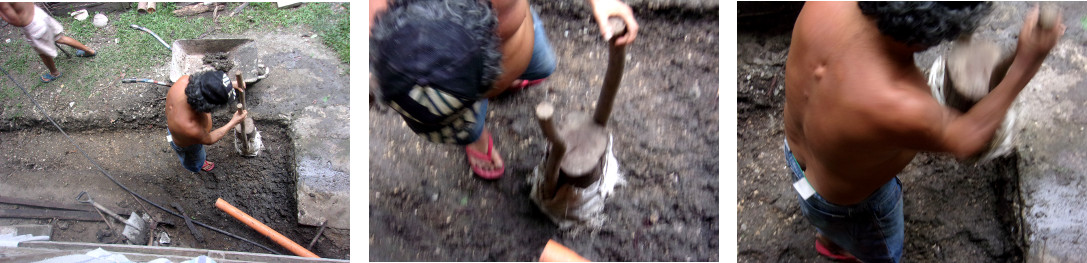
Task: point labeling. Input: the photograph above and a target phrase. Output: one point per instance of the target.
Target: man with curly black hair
(437, 62)
(189, 104)
(858, 109)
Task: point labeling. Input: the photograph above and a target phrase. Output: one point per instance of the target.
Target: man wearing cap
(189, 104)
(438, 62)
(42, 32)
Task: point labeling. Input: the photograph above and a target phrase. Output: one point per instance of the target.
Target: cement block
(322, 160)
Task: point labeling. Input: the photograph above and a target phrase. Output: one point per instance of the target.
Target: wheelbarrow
(235, 54)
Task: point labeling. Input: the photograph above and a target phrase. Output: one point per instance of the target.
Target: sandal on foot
(525, 84)
(46, 78)
(83, 54)
(485, 174)
(823, 250)
(208, 166)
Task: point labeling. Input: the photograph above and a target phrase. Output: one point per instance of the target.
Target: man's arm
(217, 134)
(970, 133)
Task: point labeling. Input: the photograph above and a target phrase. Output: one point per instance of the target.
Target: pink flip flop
(485, 174)
(823, 250)
(208, 166)
(525, 84)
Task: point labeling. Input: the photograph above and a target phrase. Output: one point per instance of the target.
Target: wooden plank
(34, 213)
(44, 204)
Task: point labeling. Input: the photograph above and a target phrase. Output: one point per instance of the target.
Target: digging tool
(135, 225)
(134, 26)
(188, 222)
(149, 81)
(317, 236)
(264, 229)
(246, 137)
(48, 214)
(568, 187)
(973, 69)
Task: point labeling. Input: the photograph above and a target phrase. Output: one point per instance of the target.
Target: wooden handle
(618, 27)
(613, 76)
(264, 229)
(544, 112)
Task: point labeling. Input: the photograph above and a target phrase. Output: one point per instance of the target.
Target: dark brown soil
(953, 212)
(426, 206)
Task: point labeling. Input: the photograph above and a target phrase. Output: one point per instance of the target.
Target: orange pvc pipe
(264, 229)
(555, 252)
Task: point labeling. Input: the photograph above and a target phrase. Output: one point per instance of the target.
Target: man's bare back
(858, 109)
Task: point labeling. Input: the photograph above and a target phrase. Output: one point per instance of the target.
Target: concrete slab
(322, 158)
(1050, 131)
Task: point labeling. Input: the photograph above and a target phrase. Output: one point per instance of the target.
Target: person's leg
(75, 44)
(50, 64)
(482, 142)
(872, 231)
(543, 62)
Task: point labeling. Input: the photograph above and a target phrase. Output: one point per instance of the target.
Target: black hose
(149, 81)
(103, 171)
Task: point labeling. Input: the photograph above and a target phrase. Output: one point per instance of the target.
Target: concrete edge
(170, 252)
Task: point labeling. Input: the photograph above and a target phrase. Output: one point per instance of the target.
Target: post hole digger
(580, 169)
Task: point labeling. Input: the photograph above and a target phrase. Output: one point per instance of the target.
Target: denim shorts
(542, 63)
(872, 230)
(192, 157)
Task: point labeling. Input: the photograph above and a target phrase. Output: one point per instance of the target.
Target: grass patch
(331, 22)
(135, 53)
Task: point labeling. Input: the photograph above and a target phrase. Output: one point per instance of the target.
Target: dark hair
(477, 18)
(925, 23)
(195, 95)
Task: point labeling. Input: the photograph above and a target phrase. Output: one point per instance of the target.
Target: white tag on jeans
(804, 188)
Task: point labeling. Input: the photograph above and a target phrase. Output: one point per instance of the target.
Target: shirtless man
(42, 32)
(438, 62)
(857, 110)
(189, 104)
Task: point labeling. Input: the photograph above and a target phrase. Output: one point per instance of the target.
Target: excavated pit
(40, 164)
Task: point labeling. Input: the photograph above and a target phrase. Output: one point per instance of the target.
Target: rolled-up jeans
(872, 230)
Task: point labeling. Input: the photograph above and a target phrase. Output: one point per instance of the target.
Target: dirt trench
(41, 164)
(953, 212)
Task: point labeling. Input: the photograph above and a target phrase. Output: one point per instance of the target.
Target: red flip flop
(485, 174)
(525, 84)
(208, 166)
(823, 250)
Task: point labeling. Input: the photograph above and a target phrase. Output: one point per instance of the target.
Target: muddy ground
(426, 206)
(122, 127)
(953, 212)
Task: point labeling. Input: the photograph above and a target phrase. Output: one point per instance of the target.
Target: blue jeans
(192, 157)
(872, 230)
(542, 63)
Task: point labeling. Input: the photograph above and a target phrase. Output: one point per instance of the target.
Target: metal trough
(188, 57)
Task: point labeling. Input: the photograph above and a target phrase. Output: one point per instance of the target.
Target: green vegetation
(133, 52)
(331, 21)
